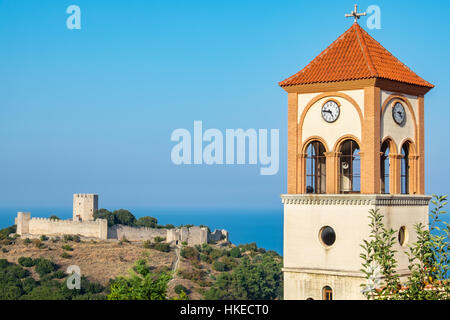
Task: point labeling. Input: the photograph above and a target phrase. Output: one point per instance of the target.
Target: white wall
(348, 122)
(390, 128)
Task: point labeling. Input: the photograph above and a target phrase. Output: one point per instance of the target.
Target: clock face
(330, 111)
(398, 113)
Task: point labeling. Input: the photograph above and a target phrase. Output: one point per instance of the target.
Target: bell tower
(355, 143)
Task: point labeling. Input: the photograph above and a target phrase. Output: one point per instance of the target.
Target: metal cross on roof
(355, 14)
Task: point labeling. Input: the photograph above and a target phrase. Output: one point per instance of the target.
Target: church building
(355, 143)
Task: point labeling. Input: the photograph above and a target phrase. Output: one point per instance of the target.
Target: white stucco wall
(348, 122)
(307, 259)
(390, 128)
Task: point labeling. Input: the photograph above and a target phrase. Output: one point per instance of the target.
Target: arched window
(384, 166)
(350, 170)
(315, 168)
(327, 293)
(404, 177)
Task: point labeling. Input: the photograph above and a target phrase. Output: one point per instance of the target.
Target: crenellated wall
(38, 226)
(99, 229)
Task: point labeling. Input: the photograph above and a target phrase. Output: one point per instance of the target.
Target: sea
(264, 227)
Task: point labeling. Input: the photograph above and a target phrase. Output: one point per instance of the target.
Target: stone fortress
(84, 225)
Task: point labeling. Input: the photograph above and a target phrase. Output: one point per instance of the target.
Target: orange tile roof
(355, 55)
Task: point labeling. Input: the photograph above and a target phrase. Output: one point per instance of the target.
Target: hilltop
(201, 271)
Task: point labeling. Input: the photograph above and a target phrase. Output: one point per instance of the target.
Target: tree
(125, 217)
(428, 259)
(4, 233)
(257, 279)
(140, 285)
(235, 252)
(148, 222)
(44, 266)
(106, 214)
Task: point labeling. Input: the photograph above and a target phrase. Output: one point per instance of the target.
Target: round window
(327, 236)
(403, 236)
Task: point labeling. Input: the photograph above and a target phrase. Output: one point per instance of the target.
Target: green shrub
(43, 238)
(147, 244)
(195, 275)
(28, 284)
(4, 233)
(229, 262)
(159, 239)
(44, 266)
(249, 247)
(189, 253)
(3, 263)
(26, 262)
(206, 248)
(205, 258)
(67, 247)
(196, 264)
(17, 271)
(69, 237)
(235, 252)
(149, 287)
(250, 280)
(161, 246)
(27, 241)
(4, 250)
(16, 283)
(54, 217)
(141, 267)
(217, 253)
(219, 266)
(65, 255)
(7, 241)
(58, 274)
(180, 288)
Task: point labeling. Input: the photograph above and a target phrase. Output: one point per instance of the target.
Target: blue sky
(92, 110)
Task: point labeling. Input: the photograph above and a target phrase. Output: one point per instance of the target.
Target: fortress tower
(355, 142)
(84, 206)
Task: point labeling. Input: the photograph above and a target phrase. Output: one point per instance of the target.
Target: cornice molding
(335, 272)
(357, 199)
